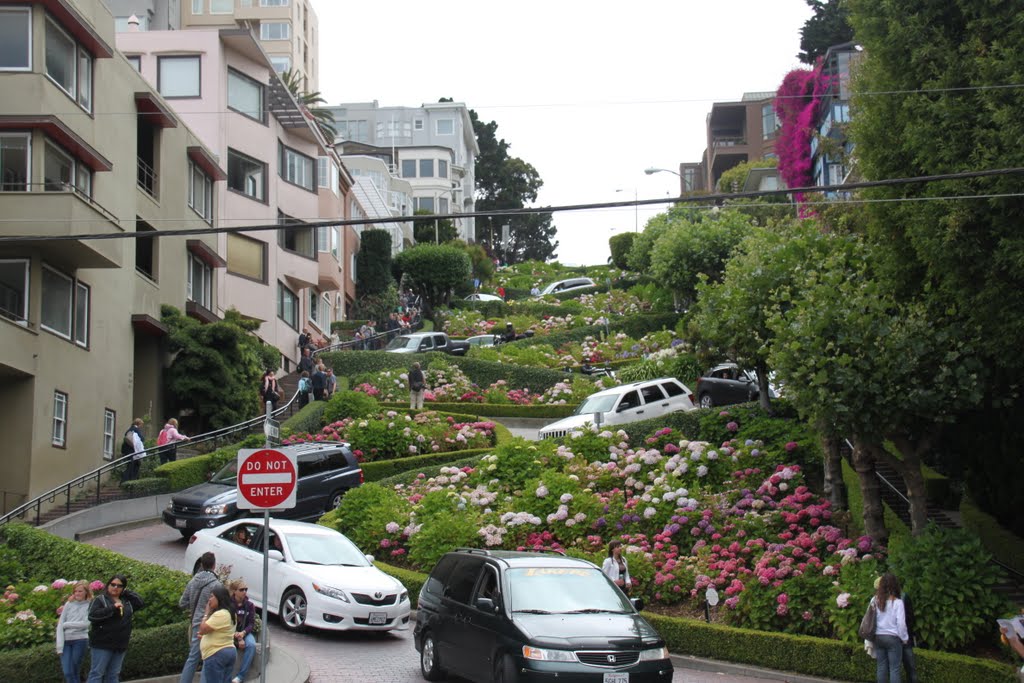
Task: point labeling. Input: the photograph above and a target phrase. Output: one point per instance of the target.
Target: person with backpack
(133, 445)
(305, 386)
(417, 384)
(194, 599)
(168, 439)
(270, 391)
(319, 383)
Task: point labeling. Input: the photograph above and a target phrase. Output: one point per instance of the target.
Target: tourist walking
(194, 598)
(417, 385)
(332, 383)
(110, 629)
(73, 631)
(319, 382)
(133, 445)
(616, 568)
(270, 391)
(217, 629)
(245, 625)
(305, 386)
(168, 440)
(890, 630)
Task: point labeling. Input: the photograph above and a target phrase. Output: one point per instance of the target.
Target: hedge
(1004, 545)
(309, 419)
(380, 470)
(406, 476)
(149, 486)
(413, 581)
(497, 410)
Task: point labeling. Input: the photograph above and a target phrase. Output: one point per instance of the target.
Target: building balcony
(63, 213)
(329, 275)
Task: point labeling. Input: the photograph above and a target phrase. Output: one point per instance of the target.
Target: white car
(626, 403)
(570, 285)
(483, 297)
(317, 576)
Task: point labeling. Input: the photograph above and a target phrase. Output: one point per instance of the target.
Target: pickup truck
(727, 384)
(423, 342)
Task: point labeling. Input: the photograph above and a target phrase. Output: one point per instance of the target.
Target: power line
(716, 199)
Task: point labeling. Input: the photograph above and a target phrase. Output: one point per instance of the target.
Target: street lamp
(636, 211)
(683, 182)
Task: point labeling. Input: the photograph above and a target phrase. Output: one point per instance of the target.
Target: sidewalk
(282, 667)
(745, 670)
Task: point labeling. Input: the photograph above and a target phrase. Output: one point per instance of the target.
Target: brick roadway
(332, 656)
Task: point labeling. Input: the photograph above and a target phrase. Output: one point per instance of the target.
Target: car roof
(633, 385)
(515, 558)
(279, 524)
(311, 447)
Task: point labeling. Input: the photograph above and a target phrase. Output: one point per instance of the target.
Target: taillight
(362, 479)
(192, 539)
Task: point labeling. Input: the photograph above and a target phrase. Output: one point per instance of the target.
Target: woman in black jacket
(110, 629)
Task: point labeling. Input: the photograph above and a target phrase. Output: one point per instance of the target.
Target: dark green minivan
(496, 615)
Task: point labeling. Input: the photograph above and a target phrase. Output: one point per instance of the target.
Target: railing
(59, 186)
(147, 178)
(357, 344)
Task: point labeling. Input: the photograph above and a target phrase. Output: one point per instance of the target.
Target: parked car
(569, 285)
(484, 340)
(626, 403)
(727, 384)
(423, 342)
(326, 470)
(496, 615)
(478, 296)
(317, 577)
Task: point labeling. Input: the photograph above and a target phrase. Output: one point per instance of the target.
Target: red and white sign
(266, 479)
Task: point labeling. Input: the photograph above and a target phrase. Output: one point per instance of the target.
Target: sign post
(266, 481)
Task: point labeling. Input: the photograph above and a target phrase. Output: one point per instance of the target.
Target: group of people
(133, 444)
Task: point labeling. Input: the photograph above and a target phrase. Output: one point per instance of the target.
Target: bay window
(247, 175)
(14, 279)
(200, 282)
(245, 96)
(287, 306)
(15, 38)
(297, 168)
(15, 159)
(247, 257)
(200, 192)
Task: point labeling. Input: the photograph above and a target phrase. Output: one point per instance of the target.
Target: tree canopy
(435, 271)
(373, 263)
(828, 26)
(433, 231)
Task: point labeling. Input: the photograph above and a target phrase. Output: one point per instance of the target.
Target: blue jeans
(217, 667)
(247, 654)
(106, 665)
(909, 663)
(889, 653)
(71, 659)
(188, 672)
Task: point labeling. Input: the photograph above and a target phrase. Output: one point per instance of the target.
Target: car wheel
(430, 665)
(293, 610)
(706, 402)
(185, 533)
(197, 567)
(335, 500)
(505, 671)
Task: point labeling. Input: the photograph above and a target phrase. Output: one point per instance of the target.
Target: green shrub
(308, 419)
(408, 475)
(494, 410)
(442, 529)
(364, 512)
(413, 581)
(384, 469)
(150, 486)
(346, 404)
(182, 474)
(1004, 545)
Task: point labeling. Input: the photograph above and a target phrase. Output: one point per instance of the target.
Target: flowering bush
(29, 612)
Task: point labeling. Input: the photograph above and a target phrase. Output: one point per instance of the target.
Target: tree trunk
(914, 480)
(835, 487)
(874, 517)
(764, 399)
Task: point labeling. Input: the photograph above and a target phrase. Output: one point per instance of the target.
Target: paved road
(332, 656)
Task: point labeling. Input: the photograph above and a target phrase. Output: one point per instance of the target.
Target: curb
(282, 667)
(90, 534)
(714, 666)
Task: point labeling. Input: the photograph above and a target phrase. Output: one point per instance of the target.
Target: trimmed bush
(413, 581)
(407, 476)
(386, 469)
(150, 486)
(497, 410)
(182, 474)
(344, 404)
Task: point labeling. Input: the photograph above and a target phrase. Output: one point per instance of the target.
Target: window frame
(442, 168)
(84, 78)
(60, 399)
(161, 59)
(245, 157)
(109, 430)
(267, 24)
(20, 318)
(69, 335)
(423, 164)
(437, 126)
(135, 61)
(283, 151)
(282, 289)
(51, 23)
(80, 328)
(411, 164)
(28, 57)
(287, 58)
(27, 136)
(206, 286)
(199, 4)
(222, 12)
(274, 3)
(261, 87)
(264, 265)
(207, 190)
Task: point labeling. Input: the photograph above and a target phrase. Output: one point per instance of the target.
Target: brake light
(362, 479)
(193, 538)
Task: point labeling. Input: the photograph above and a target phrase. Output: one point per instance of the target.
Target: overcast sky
(589, 93)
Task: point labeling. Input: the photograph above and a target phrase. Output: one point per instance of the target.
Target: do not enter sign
(266, 479)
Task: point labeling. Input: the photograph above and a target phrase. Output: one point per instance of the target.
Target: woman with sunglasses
(110, 629)
(245, 623)
(218, 637)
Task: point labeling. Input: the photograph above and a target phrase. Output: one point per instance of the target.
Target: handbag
(867, 624)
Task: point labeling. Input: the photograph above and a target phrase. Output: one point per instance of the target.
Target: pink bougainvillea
(796, 104)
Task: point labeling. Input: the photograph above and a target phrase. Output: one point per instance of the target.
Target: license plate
(180, 523)
(616, 678)
(378, 618)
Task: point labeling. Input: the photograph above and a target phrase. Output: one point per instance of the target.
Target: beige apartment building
(88, 148)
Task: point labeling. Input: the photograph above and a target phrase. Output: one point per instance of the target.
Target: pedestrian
(501, 293)
(73, 631)
(417, 384)
(168, 441)
(245, 625)
(133, 445)
(305, 386)
(319, 383)
(110, 629)
(616, 568)
(197, 593)
(365, 332)
(332, 382)
(890, 630)
(306, 362)
(909, 662)
(535, 291)
(270, 391)
(217, 629)
(1012, 638)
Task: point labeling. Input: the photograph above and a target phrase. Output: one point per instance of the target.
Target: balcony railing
(147, 178)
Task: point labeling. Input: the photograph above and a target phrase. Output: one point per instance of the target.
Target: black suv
(496, 615)
(326, 470)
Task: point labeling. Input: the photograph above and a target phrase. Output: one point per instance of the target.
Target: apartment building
(831, 149)
(433, 147)
(288, 30)
(382, 195)
(280, 170)
(87, 148)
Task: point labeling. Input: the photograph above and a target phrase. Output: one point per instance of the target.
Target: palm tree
(323, 118)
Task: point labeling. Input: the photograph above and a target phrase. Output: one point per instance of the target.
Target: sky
(589, 93)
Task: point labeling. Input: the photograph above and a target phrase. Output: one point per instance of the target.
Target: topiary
(349, 404)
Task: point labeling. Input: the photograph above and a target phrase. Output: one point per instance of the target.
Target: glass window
(425, 203)
(83, 179)
(426, 168)
(769, 124)
(299, 240)
(442, 205)
(652, 394)
(60, 419)
(281, 63)
(14, 289)
(408, 168)
(460, 584)
(15, 156)
(445, 127)
(247, 175)
(287, 306)
(314, 308)
(200, 282)
(145, 250)
(135, 61)
(273, 3)
(109, 426)
(418, 124)
(222, 6)
(58, 170)
(15, 38)
(323, 238)
(354, 130)
(672, 389)
(275, 30)
(200, 192)
(197, 7)
(61, 60)
(245, 95)
(84, 80)
(247, 257)
(442, 168)
(81, 314)
(178, 76)
(297, 168)
(57, 310)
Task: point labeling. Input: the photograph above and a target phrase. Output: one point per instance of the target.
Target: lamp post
(636, 211)
(682, 181)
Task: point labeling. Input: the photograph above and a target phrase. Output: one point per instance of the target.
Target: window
(324, 315)
(145, 249)
(135, 61)
(326, 174)
(197, 7)
(82, 314)
(275, 30)
(281, 63)
(354, 130)
(287, 306)
(178, 76)
(418, 124)
(323, 238)
(247, 175)
(84, 80)
(273, 3)
(247, 257)
(60, 419)
(442, 168)
(425, 203)
(200, 192)
(445, 126)
(426, 168)
(460, 585)
(408, 168)
(222, 6)
(769, 124)
(14, 289)
(61, 52)
(200, 282)
(57, 302)
(245, 95)
(652, 393)
(297, 168)
(672, 389)
(314, 309)
(442, 205)
(15, 159)
(15, 39)
(109, 429)
(301, 241)
(58, 169)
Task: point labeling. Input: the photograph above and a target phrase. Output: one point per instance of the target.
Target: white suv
(626, 403)
(569, 285)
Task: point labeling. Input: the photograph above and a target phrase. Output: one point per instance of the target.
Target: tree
(373, 263)
(217, 366)
(432, 230)
(505, 182)
(435, 271)
(323, 118)
(828, 26)
(620, 246)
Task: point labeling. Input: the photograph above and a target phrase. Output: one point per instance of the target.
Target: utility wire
(716, 198)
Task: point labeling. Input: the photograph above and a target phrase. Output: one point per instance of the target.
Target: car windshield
(597, 404)
(226, 474)
(404, 343)
(325, 549)
(557, 590)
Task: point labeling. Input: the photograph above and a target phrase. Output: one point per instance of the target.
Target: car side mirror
(369, 558)
(275, 555)
(486, 605)
(638, 603)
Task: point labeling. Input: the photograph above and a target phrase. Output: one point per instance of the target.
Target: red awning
(147, 324)
(156, 111)
(204, 160)
(205, 253)
(61, 134)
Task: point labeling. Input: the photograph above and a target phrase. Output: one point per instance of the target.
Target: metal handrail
(81, 481)
(339, 346)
